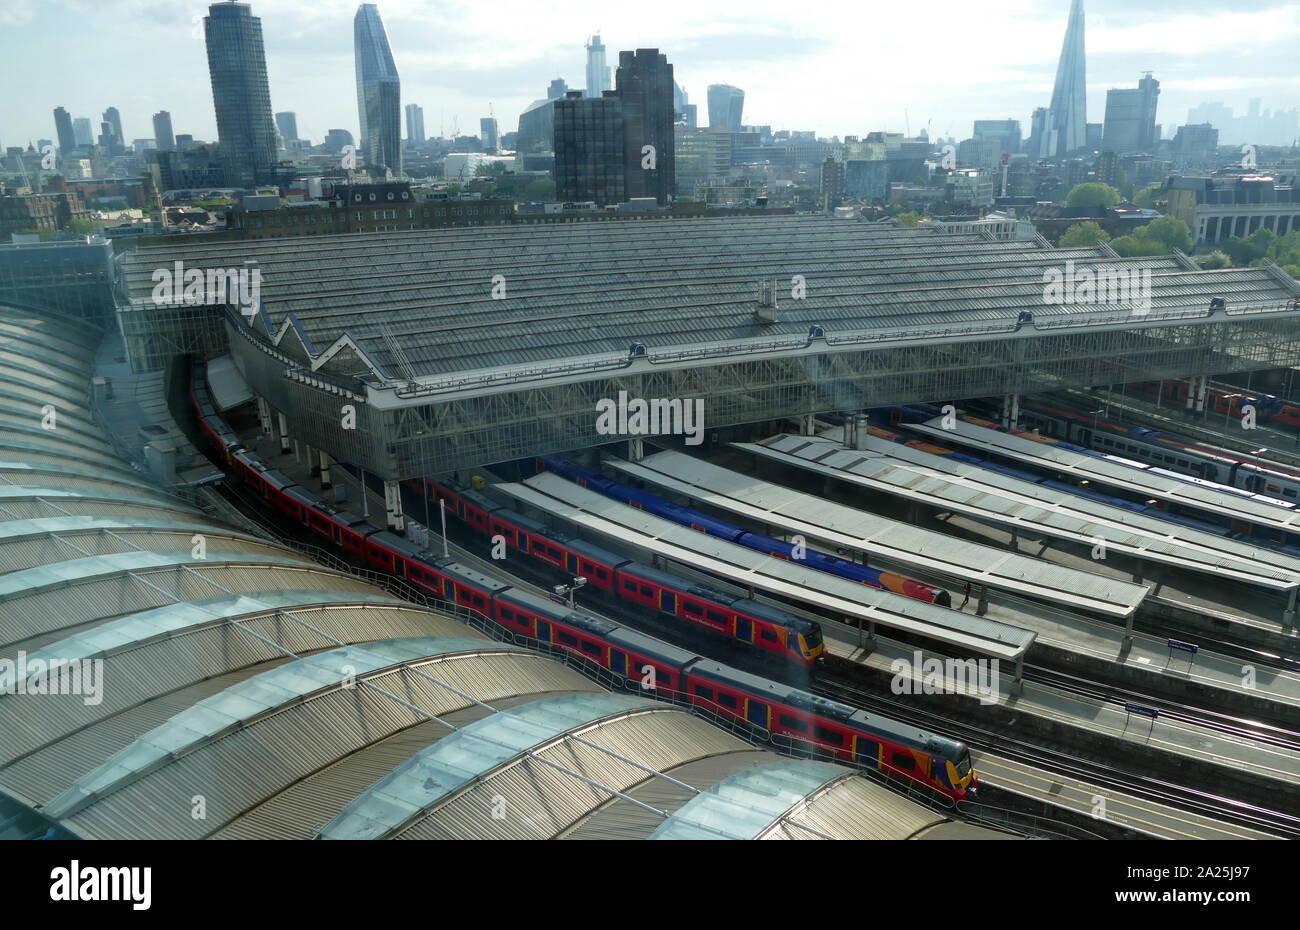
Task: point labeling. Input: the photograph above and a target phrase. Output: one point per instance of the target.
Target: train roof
(278, 478)
(463, 571)
(654, 648)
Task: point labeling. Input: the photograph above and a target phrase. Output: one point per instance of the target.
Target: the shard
(1067, 116)
(379, 94)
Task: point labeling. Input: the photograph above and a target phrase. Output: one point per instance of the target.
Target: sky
(840, 67)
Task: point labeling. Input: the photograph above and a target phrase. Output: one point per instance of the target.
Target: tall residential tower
(379, 94)
(240, 94)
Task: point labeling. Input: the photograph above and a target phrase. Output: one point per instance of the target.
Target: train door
(756, 712)
(668, 602)
(866, 752)
(618, 661)
(744, 629)
(571, 562)
(543, 630)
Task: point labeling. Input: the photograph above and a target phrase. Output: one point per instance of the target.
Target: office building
(415, 123)
(114, 119)
(63, 129)
(590, 138)
(683, 109)
(726, 106)
(597, 70)
(1216, 209)
(1005, 131)
(82, 132)
(379, 94)
(287, 123)
(241, 95)
(163, 136)
(537, 122)
(644, 82)
(1130, 125)
(487, 130)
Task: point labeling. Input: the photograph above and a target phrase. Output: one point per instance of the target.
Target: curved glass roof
(19, 583)
(44, 526)
(173, 618)
(742, 806)
(436, 771)
(241, 703)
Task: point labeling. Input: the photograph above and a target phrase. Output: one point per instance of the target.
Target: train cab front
(962, 777)
(811, 648)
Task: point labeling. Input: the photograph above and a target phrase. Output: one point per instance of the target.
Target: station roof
(276, 689)
(940, 482)
(418, 307)
(1117, 472)
(603, 516)
(842, 526)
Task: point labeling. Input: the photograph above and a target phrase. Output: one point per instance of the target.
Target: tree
(1169, 231)
(1083, 234)
(1092, 194)
(541, 189)
(1215, 259)
(910, 218)
(1147, 196)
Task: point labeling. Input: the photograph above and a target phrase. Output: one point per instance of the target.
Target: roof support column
(1011, 411)
(636, 449)
(808, 424)
(324, 470)
(1288, 617)
(982, 607)
(393, 503)
(284, 433)
(1018, 682)
(264, 415)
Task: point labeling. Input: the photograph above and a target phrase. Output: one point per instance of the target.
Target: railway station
(372, 363)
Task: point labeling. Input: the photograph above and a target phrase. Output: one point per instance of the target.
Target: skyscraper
(1067, 116)
(415, 123)
(287, 123)
(63, 128)
(114, 119)
(597, 70)
(487, 130)
(683, 109)
(644, 81)
(1130, 125)
(726, 105)
(590, 140)
(163, 136)
(379, 94)
(240, 94)
(82, 131)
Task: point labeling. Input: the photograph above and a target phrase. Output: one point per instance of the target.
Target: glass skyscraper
(1067, 116)
(379, 94)
(597, 70)
(726, 104)
(240, 94)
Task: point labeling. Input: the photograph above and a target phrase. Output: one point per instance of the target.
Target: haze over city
(845, 69)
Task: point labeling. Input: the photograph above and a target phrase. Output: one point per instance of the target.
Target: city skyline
(1201, 54)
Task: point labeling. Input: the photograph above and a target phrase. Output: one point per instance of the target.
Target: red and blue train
(790, 715)
(768, 629)
(713, 526)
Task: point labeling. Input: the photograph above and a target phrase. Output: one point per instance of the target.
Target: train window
(692, 609)
(602, 575)
(716, 616)
(645, 590)
(828, 736)
(767, 635)
(904, 762)
(590, 648)
(726, 700)
(792, 723)
(706, 693)
(1289, 492)
(507, 613)
(629, 585)
(567, 638)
